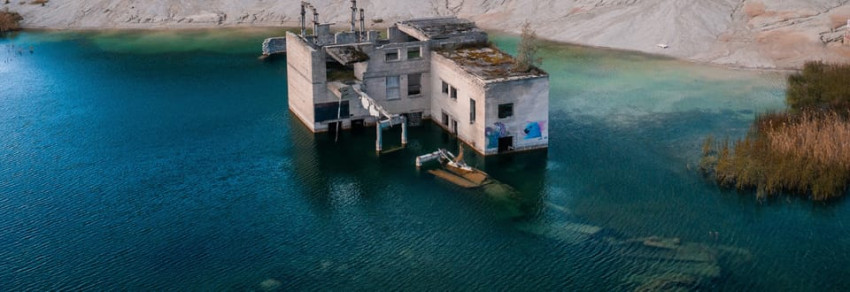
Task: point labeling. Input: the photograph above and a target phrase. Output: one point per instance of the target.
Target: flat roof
(441, 28)
(488, 63)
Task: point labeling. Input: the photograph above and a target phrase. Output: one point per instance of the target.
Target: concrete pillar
(303, 21)
(362, 24)
(403, 131)
(353, 15)
(315, 22)
(378, 140)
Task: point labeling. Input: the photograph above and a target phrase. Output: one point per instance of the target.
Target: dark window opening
(331, 111)
(445, 88)
(445, 119)
(454, 93)
(357, 126)
(506, 110)
(414, 53)
(392, 56)
(338, 72)
(413, 119)
(414, 84)
(506, 144)
(471, 111)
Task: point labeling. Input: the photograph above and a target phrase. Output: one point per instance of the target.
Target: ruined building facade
(442, 69)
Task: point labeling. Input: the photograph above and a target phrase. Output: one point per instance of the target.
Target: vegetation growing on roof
(527, 58)
(487, 61)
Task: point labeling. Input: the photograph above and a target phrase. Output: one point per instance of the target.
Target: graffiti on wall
(534, 130)
(493, 134)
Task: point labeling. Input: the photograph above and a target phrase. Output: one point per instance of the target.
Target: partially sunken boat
(454, 170)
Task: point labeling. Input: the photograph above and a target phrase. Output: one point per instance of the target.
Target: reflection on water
(169, 161)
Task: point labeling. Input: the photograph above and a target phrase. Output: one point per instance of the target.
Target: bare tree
(526, 58)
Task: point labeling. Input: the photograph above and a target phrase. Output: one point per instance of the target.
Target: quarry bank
(766, 34)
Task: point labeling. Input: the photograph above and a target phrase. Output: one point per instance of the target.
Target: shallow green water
(168, 161)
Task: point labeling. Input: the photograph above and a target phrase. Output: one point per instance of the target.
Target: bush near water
(805, 150)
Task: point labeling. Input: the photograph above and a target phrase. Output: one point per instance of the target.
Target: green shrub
(819, 86)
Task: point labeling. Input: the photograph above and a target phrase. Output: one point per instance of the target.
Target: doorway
(506, 144)
(333, 127)
(357, 126)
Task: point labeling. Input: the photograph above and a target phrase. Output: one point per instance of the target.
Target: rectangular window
(414, 84)
(392, 56)
(471, 111)
(414, 53)
(454, 92)
(445, 88)
(392, 88)
(445, 119)
(506, 110)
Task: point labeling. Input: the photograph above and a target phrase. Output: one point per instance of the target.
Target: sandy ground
(774, 34)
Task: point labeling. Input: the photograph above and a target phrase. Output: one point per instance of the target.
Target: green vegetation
(805, 150)
(9, 21)
(820, 86)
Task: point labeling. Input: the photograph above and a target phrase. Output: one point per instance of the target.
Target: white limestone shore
(766, 34)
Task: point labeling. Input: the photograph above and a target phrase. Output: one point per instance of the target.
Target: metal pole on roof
(315, 20)
(303, 21)
(353, 15)
(362, 24)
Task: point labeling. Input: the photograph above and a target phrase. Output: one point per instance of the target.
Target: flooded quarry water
(169, 161)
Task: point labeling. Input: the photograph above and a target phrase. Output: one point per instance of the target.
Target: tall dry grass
(807, 154)
(804, 151)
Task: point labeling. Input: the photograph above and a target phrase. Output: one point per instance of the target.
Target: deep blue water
(169, 161)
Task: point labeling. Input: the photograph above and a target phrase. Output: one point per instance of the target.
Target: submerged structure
(439, 69)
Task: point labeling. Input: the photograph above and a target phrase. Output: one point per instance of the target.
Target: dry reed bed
(804, 151)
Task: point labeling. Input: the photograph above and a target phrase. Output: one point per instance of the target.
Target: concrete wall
(468, 87)
(375, 74)
(530, 98)
(529, 125)
(306, 73)
(274, 45)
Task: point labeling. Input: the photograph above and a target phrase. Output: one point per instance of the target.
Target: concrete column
(303, 21)
(353, 15)
(403, 131)
(362, 25)
(315, 22)
(378, 140)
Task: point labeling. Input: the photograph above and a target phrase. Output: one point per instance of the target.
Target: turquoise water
(169, 161)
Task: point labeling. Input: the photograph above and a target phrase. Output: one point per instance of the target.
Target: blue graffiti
(533, 130)
(494, 133)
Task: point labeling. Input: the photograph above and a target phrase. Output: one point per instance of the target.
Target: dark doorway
(454, 127)
(333, 127)
(506, 144)
(357, 126)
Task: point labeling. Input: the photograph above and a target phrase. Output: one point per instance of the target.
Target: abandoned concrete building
(439, 69)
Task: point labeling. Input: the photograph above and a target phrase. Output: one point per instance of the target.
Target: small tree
(526, 57)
